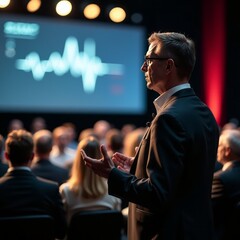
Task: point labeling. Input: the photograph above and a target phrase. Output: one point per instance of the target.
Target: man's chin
(149, 85)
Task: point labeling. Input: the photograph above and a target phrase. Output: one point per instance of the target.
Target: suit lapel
(181, 93)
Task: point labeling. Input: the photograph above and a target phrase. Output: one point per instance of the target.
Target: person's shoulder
(229, 175)
(46, 182)
(60, 172)
(3, 168)
(59, 169)
(111, 198)
(231, 172)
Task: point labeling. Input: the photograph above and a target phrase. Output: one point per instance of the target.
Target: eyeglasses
(148, 60)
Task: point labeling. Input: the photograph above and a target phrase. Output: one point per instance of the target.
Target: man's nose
(144, 67)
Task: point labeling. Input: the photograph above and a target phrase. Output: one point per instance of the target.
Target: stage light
(117, 14)
(63, 7)
(33, 5)
(4, 3)
(91, 11)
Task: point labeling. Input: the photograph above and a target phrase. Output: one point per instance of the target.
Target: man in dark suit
(169, 183)
(42, 167)
(226, 187)
(22, 193)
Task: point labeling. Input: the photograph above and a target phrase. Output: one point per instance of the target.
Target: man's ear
(228, 151)
(170, 64)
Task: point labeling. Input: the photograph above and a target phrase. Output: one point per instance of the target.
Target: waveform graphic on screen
(83, 64)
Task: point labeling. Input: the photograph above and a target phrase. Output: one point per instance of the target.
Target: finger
(83, 153)
(119, 155)
(86, 158)
(104, 152)
(123, 169)
(115, 160)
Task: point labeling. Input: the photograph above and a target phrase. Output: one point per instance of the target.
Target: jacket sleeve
(159, 168)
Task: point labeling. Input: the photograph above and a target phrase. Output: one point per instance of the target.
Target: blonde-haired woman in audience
(132, 141)
(85, 190)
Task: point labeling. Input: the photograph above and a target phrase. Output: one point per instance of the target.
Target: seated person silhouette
(22, 193)
(42, 166)
(85, 190)
(226, 187)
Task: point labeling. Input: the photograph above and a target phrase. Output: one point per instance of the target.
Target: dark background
(173, 15)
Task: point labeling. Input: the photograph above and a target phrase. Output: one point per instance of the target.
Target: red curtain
(214, 55)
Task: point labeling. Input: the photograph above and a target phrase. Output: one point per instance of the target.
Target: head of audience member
(72, 132)
(37, 124)
(127, 128)
(232, 124)
(61, 138)
(100, 128)
(132, 141)
(85, 133)
(114, 141)
(229, 146)
(19, 148)
(43, 142)
(82, 177)
(15, 124)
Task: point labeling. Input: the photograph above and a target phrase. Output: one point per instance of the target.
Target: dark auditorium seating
(96, 224)
(33, 227)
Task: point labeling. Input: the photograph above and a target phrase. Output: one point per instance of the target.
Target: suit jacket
(22, 193)
(45, 169)
(3, 168)
(226, 200)
(170, 182)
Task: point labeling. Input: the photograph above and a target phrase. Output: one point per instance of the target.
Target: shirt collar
(164, 97)
(10, 169)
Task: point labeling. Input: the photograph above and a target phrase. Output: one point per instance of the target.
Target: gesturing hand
(123, 162)
(102, 166)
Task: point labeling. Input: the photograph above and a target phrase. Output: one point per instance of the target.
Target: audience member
(226, 187)
(72, 132)
(61, 155)
(114, 141)
(127, 128)
(42, 166)
(37, 124)
(132, 141)
(229, 125)
(3, 166)
(85, 190)
(100, 129)
(15, 124)
(85, 133)
(22, 193)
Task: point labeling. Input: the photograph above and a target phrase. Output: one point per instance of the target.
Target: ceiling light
(63, 8)
(117, 14)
